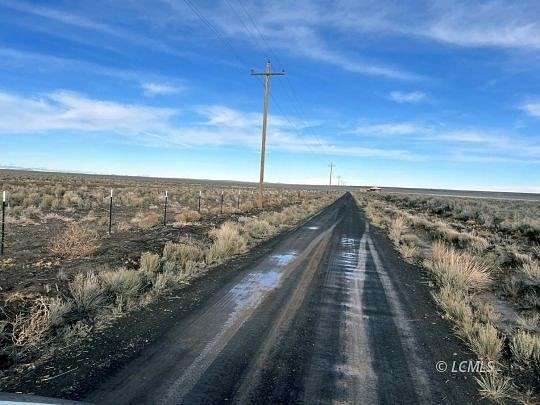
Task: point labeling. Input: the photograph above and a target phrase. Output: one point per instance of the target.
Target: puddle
(283, 259)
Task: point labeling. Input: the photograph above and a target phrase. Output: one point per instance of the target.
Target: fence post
(165, 208)
(3, 223)
(221, 209)
(110, 211)
(200, 195)
(238, 200)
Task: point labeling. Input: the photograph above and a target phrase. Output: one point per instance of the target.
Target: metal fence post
(238, 201)
(165, 208)
(200, 195)
(221, 209)
(110, 211)
(3, 223)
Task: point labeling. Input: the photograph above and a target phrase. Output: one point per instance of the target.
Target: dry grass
(187, 216)
(525, 347)
(87, 293)
(397, 227)
(228, 242)
(122, 284)
(181, 256)
(531, 270)
(486, 342)
(146, 220)
(75, 242)
(494, 386)
(150, 263)
(458, 269)
(259, 228)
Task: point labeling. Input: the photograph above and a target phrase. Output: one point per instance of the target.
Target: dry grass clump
(258, 228)
(494, 386)
(454, 303)
(75, 242)
(397, 227)
(181, 257)
(187, 216)
(146, 220)
(87, 293)
(458, 269)
(486, 342)
(228, 241)
(150, 263)
(531, 270)
(525, 347)
(122, 284)
(44, 314)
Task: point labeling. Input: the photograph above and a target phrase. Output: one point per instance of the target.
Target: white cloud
(390, 128)
(412, 97)
(532, 109)
(216, 125)
(64, 110)
(160, 89)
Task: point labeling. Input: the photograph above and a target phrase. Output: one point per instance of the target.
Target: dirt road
(330, 315)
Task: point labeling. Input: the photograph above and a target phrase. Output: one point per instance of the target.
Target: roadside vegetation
(483, 260)
(89, 292)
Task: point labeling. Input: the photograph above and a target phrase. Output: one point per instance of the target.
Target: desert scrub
(87, 294)
(525, 347)
(150, 263)
(258, 228)
(146, 220)
(182, 257)
(121, 284)
(228, 241)
(460, 270)
(44, 314)
(187, 216)
(75, 242)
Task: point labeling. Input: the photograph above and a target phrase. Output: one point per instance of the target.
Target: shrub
(494, 386)
(454, 303)
(457, 269)
(146, 220)
(149, 263)
(486, 343)
(87, 293)
(259, 228)
(75, 242)
(397, 227)
(531, 270)
(180, 254)
(187, 216)
(525, 347)
(121, 283)
(227, 242)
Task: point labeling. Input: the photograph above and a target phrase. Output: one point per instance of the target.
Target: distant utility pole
(332, 165)
(267, 74)
(339, 180)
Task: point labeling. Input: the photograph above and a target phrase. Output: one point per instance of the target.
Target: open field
(305, 301)
(63, 275)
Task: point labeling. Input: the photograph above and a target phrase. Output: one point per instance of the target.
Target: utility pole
(267, 74)
(332, 165)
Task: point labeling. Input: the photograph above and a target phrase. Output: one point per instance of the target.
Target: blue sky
(413, 94)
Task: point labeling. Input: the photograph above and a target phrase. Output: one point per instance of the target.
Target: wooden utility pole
(332, 165)
(267, 74)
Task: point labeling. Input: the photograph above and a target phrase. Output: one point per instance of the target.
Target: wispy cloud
(390, 128)
(531, 108)
(214, 125)
(85, 23)
(412, 97)
(160, 89)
